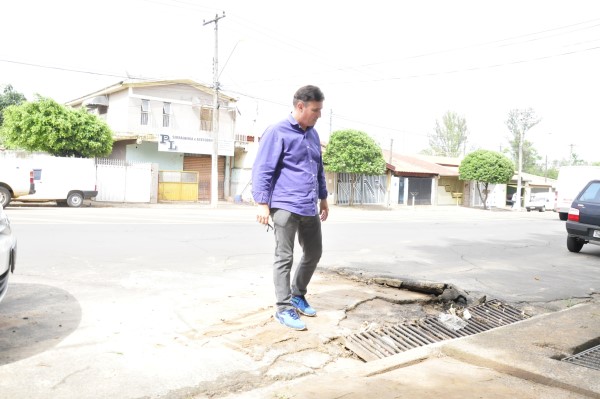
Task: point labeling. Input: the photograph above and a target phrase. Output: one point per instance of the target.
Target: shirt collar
(295, 123)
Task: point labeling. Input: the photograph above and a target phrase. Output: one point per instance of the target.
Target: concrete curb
(532, 349)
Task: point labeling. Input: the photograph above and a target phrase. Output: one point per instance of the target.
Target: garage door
(420, 188)
(203, 165)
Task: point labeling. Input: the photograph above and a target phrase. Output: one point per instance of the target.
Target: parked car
(536, 204)
(8, 252)
(583, 222)
(570, 182)
(68, 181)
(540, 202)
(16, 180)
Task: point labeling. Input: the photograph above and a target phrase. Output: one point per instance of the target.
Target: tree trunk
(485, 191)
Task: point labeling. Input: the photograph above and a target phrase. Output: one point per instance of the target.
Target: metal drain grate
(390, 340)
(589, 358)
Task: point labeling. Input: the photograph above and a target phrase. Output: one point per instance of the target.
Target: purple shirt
(288, 169)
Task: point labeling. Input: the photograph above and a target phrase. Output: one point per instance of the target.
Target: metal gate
(177, 185)
(419, 188)
(123, 181)
(203, 165)
(360, 189)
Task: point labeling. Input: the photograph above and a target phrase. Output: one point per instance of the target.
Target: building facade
(169, 123)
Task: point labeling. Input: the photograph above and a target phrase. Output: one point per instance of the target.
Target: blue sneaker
(290, 318)
(299, 302)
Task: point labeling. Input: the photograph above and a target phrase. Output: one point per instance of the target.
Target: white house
(170, 123)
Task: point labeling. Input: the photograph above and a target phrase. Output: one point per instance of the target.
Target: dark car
(583, 223)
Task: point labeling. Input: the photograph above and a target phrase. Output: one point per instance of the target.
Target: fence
(361, 189)
(177, 185)
(123, 181)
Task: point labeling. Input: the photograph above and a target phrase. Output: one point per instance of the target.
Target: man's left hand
(323, 209)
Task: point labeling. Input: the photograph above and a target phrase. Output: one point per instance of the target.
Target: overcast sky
(389, 68)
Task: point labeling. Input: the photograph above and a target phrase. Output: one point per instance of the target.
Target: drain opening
(397, 338)
(589, 358)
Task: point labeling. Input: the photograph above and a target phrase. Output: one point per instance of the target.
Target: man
(288, 181)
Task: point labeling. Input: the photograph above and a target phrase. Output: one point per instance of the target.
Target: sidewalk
(515, 361)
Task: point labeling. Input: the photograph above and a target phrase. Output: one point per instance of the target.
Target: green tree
(485, 167)
(450, 137)
(575, 160)
(45, 125)
(9, 97)
(354, 152)
(519, 122)
(530, 155)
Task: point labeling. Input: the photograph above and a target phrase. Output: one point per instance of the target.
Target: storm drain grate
(391, 340)
(589, 358)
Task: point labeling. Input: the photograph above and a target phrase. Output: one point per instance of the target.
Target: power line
(476, 68)
(484, 44)
(36, 65)
(72, 70)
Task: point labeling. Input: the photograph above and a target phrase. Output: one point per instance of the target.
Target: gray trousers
(286, 225)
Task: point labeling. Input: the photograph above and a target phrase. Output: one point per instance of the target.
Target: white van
(16, 180)
(571, 180)
(68, 181)
(540, 201)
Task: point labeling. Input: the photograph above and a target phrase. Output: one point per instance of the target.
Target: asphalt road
(516, 256)
(103, 296)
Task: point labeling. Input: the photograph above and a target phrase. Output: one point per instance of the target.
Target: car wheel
(4, 197)
(543, 209)
(574, 244)
(563, 215)
(528, 210)
(75, 200)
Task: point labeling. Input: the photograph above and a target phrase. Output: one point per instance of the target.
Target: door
(203, 165)
(420, 189)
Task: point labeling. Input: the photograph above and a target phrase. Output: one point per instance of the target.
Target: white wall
(186, 103)
(395, 181)
(117, 116)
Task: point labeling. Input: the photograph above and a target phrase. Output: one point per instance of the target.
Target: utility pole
(571, 155)
(214, 175)
(389, 175)
(519, 178)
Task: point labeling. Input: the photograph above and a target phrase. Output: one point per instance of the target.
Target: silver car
(8, 252)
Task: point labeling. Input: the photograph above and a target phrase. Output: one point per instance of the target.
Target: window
(145, 111)
(166, 114)
(591, 193)
(206, 119)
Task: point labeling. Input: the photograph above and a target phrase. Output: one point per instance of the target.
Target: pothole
(379, 312)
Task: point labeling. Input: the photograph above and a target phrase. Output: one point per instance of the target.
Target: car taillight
(573, 215)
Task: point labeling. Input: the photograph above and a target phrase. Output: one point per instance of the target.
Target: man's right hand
(263, 213)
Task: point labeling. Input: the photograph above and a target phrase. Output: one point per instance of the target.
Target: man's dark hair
(308, 93)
